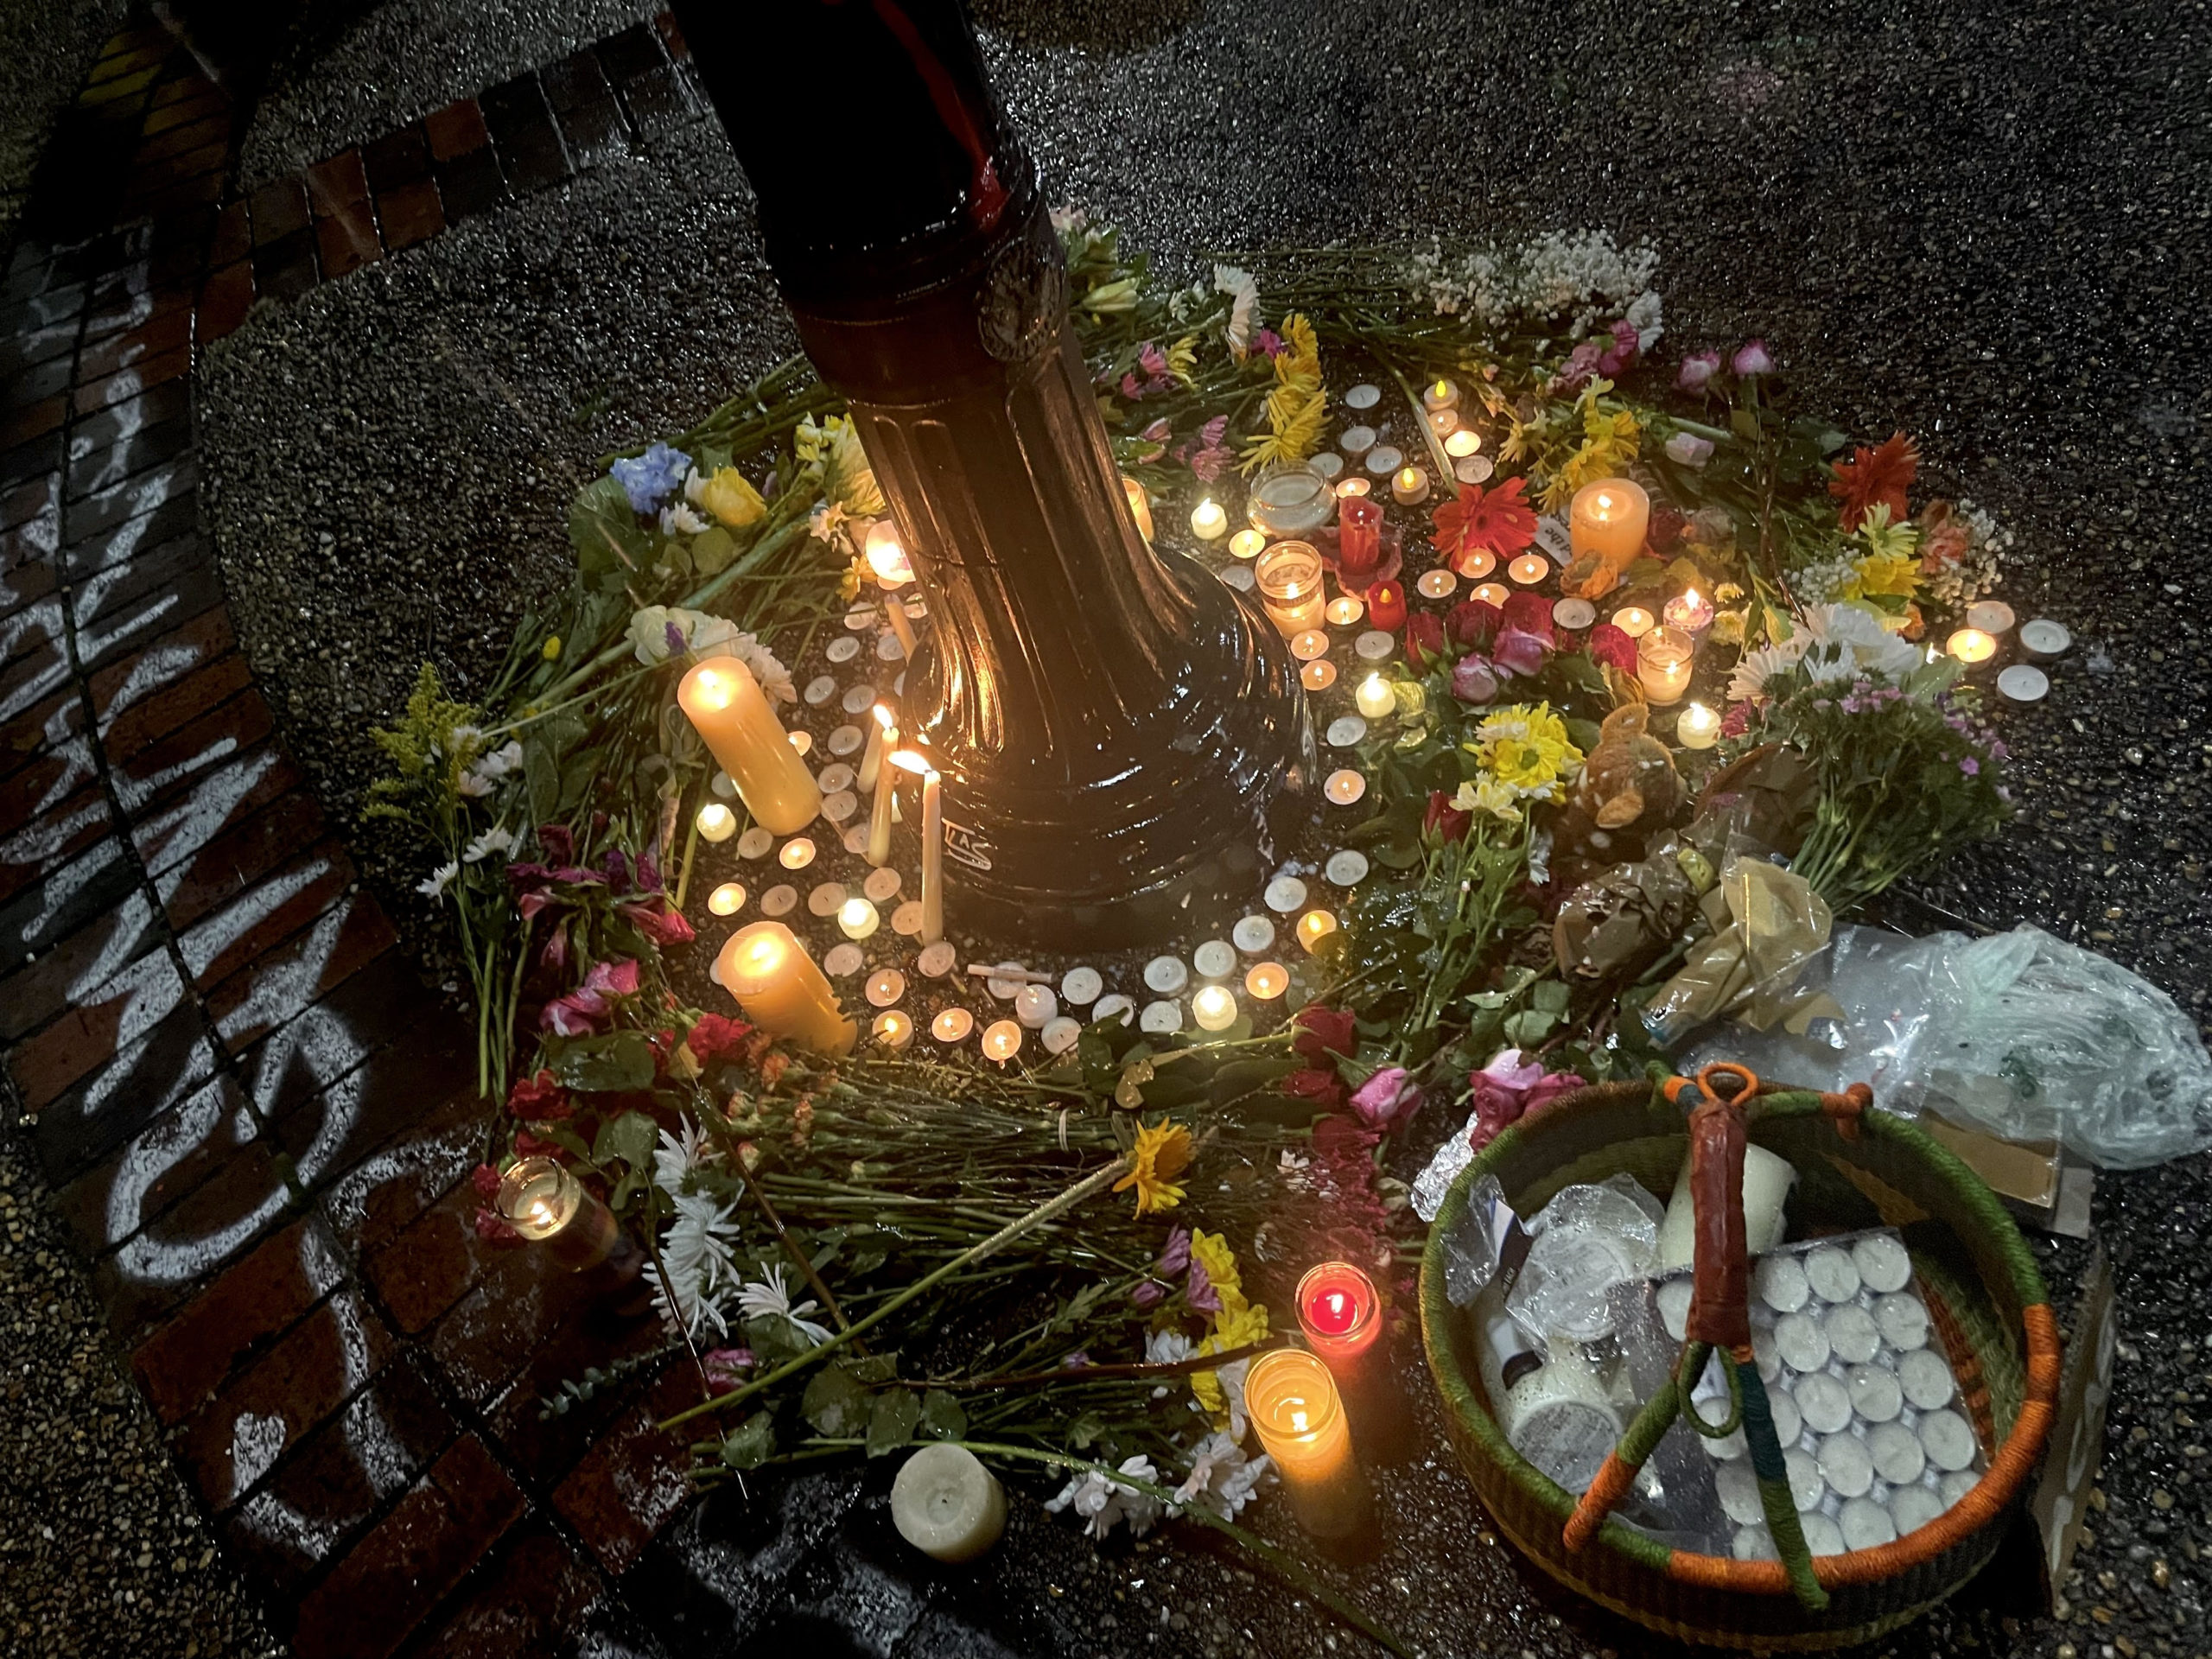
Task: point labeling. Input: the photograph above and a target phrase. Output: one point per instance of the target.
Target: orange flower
(1500, 521)
(1876, 476)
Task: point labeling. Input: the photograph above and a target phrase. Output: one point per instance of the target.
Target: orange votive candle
(1294, 1405)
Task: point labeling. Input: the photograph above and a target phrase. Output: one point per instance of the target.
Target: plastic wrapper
(1585, 1241)
(2018, 1033)
(1488, 1233)
(1769, 923)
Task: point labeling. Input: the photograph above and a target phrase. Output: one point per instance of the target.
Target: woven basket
(1984, 1295)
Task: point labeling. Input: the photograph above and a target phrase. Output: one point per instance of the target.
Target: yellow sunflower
(1162, 1152)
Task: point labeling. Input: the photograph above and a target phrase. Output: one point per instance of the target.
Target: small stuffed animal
(1629, 776)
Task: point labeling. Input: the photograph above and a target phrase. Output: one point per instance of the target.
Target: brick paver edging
(258, 1123)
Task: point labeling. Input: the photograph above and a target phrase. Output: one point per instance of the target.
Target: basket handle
(1719, 1296)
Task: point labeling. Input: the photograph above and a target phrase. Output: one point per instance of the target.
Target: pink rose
(1473, 681)
(1753, 358)
(1383, 1096)
(1698, 368)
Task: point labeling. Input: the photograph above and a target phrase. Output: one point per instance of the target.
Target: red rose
(1322, 1031)
(1322, 1088)
(485, 1179)
(1425, 641)
(715, 1035)
(1448, 822)
(1607, 644)
(1531, 613)
(538, 1097)
(1474, 623)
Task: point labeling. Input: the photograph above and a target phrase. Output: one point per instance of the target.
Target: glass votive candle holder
(540, 1200)
(1663, 664)
(1293, 1406)
(1289, 501)
(1289, 577)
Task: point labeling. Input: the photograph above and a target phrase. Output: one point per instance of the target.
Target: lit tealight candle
(726, 900)
(796, 854)
(1344, 610)
(802, 742)
(1437, 584)
(1248, 544)
(1439, 394)
(1002, 1040)
(548, 1205)
(715, 821)
(1344, 787)
(1529, 569)
(1351, 487)
(886, 554)
(1608, 520)
(892, 1028)
(1971, 646)
(1214, 1009)
(857, 918)
(1697, 726)
(1493, 592)
(1475, 562)
(1463, 444)
(1375, 698)
(1309, 644)
(1139, 504)
(885, 986)
(1208, 520)
(1293, 1404)
(1634, 621)
(1318, 675)
(1409, 486)
(1266, 981)
(1386, 607)
(1663, 658)
(1314, 927)
(952, 1025)
(767, 972)
(1690, 611)
(727, 709)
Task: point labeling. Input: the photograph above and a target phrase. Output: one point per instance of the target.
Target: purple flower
(1200, 1292)
(1177, 1255)
(1472, 680)
(1969, 766)
(1078, 1361)
(1130, 389)
(1153, 361)
(651, 478)
(1159, 430)
(1269, 341)
(725, 1367)
(677, 645)
(1147, 1294)
(1515, 651)
(1753, 358)
(1698, 368)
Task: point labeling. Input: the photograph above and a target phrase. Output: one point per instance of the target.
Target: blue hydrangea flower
(653, 477)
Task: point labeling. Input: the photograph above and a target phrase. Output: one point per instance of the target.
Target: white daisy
(498, 839)
(1102, 1500)
(768, 1298)
(1222, 1478)
(695, 1253)
(433, 886)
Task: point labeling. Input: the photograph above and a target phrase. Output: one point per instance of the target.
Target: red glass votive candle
(1340, 1312)
(1359, 541)
(1386, 606)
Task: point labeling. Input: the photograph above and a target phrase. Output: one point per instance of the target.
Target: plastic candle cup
(1344, 610)
(1214, 1008)
(1439, 394)
(1248, 544)
(1309, 644)
(1002, 1040)
(768, 974)
(1697, 726)
(1352, 486)
(1409, 486)
(1140, 505)
(545, 1204)
(1529, 569)
(1289, 576)
(715, 821)
(796, 853)
(726, 900)
(1208, 521)
(1609, 519)
(1663, 664)
(857, 918)
(726, 707)
(1690, 611)
(1293, 1404)
(1386, 606)
(1318, 675)
(1266, 981)
(1634, 621)
(1475, 562)
(1314, 927)
(1971, 646)
(1493, 592)
(892, 1028)
(1463, 442)
(952, 1025)
(1375, 698)
(886, 554)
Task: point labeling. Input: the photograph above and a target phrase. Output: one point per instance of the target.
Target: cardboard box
(2060, 1503)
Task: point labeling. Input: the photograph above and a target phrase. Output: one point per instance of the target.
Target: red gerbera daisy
(1881, 475)
(1499, 520)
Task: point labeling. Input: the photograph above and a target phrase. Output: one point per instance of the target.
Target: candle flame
(1298, 1422)
(882, 713)
(908, 760)
(1443, 388)
(540, 1212)
(1691, 600)
(1409, 477)
(708, 691)
(886, 555)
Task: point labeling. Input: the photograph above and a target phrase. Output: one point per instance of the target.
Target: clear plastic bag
(1585, 1242)
(2019, 1033)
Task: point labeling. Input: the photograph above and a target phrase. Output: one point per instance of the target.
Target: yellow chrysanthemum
(1876, 575)
(1489, 796)
(1297, 406)
(1527, 751)
(1162, 1152)
(1611, 438)
(1212, 1252)
(1246, 1326)
(1182, 358)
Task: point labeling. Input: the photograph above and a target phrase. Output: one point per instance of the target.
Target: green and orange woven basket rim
(1979, 1210)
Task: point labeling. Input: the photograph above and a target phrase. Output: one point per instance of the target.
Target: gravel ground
(46, 47)
(351, 72)
(102, 1548)
(1973, 222)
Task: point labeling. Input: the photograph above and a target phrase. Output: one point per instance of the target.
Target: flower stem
(1094, 1183)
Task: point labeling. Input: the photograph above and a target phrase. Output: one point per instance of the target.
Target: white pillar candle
(946, 1504)
(932, 845)
(1767, 1180)
(882, 781)
(1208, 520)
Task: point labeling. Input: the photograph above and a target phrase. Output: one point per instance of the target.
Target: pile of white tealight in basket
(1865, 1404)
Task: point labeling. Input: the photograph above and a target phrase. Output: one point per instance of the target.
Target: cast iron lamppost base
(1114, 726)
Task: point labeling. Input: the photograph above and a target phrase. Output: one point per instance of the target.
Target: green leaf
(752, 1443)
(631, 1137)
(542, 779)
(711, 550)
(836, 1404)
(942, 1417)
(604, 531)
(873, 1368)
(891, 1424)
(620, 1062)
